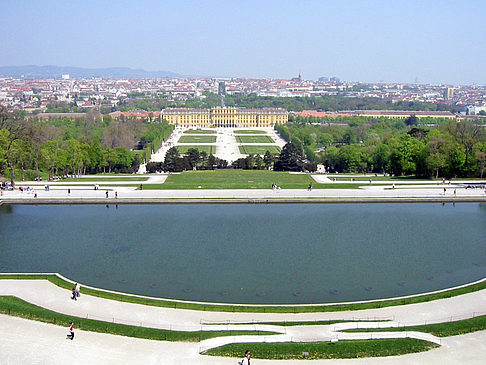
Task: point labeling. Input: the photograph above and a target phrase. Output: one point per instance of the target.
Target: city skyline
(436, 42)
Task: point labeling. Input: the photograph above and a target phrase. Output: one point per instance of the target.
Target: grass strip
(254, 139)
(199, 131)
(108, 178)
(248, 131)
(16, 307)
(324, 350)
(259, 150)
(209, 149)
(243, 179)
(250, 308)
(197, 139)
(186, 185)
(307, 323)
(445, 329)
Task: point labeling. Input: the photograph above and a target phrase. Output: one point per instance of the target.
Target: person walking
(71, 331)
(246, 359)
(106, 194)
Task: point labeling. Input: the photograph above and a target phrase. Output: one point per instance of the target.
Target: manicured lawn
(324, 350)
(438, 329)
(209, 149)
(197, 139)
(254, 139)
(104, 178)
(17, 307)
(260, 150)
(199, 131)
(375, 178)
(257, 309)
(241, 179)
(244, 131)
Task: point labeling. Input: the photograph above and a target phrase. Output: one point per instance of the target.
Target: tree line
(291, 158)
(31, 147)
(397, 147)
(331, 103)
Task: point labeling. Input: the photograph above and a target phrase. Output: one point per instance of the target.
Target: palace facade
(225, 117)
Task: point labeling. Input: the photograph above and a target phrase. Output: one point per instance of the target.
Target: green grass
(242, 179)
(173, 186)
(307, 323)
(260, 150)
(324, 350)
(209, 149)
(248, 308)
(244, 131)
(254, 139)
(445, 329)
(17, 307)
(199, 131)
(196, 139)
(104, 178)
(376, 178)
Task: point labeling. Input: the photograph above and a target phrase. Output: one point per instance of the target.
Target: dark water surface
(295, 253)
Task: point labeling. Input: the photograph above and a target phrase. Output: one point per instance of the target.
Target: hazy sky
(436, 41)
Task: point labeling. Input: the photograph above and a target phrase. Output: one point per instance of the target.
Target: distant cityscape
(35, 94)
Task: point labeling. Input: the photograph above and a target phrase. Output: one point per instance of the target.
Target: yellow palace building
(225, 117)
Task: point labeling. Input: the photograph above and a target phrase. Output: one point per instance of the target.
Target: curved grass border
(324, 350)
(13, 306)
(445, 329)
(65, 283)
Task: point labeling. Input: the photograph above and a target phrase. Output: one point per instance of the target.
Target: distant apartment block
(225, 117)
(449, 93)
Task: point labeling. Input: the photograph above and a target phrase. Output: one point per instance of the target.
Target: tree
(480, 153)
(172, 161)
(380, 158)
(467, 134)
(154, 167)
(194, 157)
(291, 158)
(268, 160)
(14, 123)
(436, 159)
(411, 120)
(403, 156)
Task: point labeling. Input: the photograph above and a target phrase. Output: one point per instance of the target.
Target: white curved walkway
(20, 337)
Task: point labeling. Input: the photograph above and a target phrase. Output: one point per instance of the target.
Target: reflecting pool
(275, 253)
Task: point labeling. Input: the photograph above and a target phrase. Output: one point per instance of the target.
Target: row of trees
(452, 149)
(30, 147)
(193, 159)
(325, 103)
(291, 158)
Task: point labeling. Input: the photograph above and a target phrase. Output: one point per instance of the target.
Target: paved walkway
(411, 190)
(46, 343)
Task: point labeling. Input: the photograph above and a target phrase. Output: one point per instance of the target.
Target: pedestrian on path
(246, 359)
(106, 194)
(116, 194)
(71, 331)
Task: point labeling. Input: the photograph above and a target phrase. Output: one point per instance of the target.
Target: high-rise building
(449, 93)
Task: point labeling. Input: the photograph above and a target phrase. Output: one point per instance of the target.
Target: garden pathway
(15, 332)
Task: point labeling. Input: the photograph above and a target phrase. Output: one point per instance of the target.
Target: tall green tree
(291, 158)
